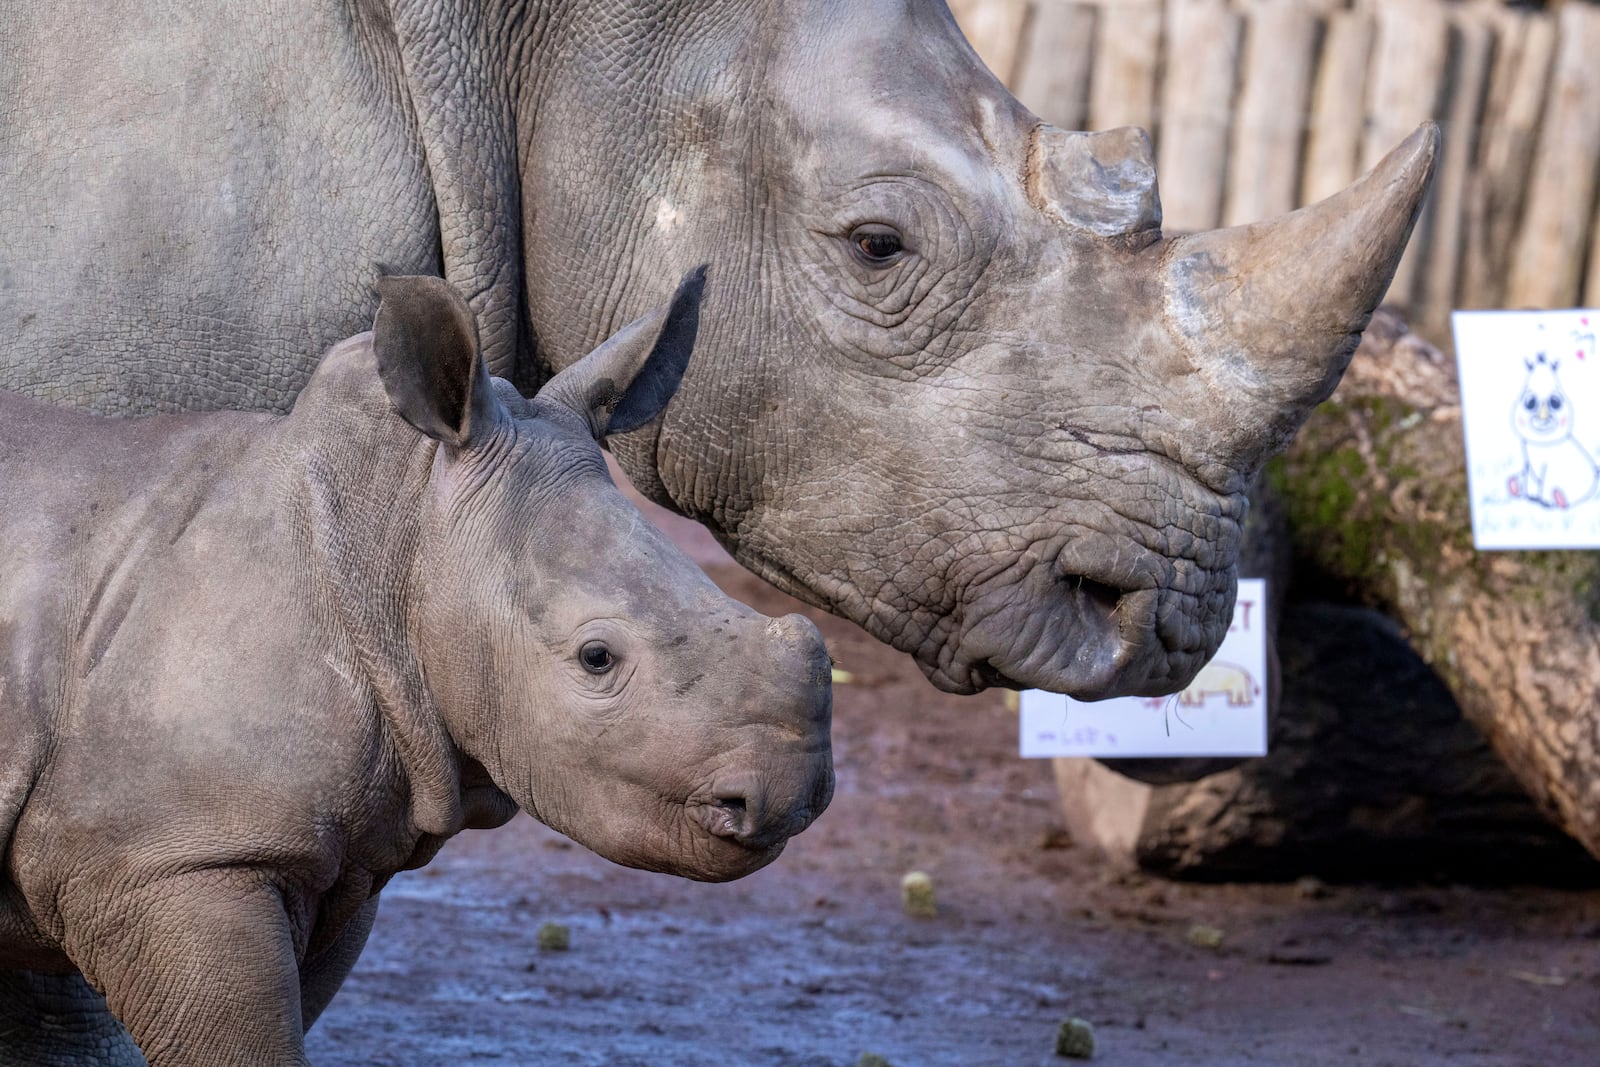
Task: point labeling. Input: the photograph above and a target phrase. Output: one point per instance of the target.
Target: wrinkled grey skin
(1016, 448)
(254, 665)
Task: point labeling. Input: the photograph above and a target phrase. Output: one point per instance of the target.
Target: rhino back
(181, 183)
(172, 662)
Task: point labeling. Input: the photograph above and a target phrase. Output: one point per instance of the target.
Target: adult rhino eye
(596, 658)
(878, 246)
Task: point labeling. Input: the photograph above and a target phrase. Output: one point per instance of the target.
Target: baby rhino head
(1542, 413)
(602, 681)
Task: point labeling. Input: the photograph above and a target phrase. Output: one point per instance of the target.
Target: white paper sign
(1530, 407)
(1222, 713)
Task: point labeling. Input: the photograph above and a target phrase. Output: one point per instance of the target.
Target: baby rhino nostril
(734, 811)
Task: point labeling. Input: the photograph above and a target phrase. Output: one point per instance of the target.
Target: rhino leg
(51, 1020)
(199, 967)
(59, 1021)
(320, 978)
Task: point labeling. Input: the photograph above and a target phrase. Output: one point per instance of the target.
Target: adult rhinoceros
(952, 382)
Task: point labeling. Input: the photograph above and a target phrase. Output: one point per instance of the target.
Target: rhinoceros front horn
(1271, 312)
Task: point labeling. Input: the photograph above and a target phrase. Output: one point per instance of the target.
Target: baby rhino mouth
(749, 816)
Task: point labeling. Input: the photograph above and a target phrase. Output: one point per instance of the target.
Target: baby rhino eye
(596, 658)
(1530, 402)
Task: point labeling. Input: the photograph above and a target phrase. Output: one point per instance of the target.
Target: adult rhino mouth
(1091, 635)
(1100, 616)
(1090, 644)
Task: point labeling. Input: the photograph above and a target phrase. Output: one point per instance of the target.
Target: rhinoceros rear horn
(630, 379)
(426, 342)
(1104, 183)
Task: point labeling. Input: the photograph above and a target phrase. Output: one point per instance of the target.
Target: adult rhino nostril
(1105, 598)
(1100, 594)
(1117, 628)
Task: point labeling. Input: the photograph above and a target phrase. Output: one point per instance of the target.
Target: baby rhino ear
(630, 379)
(426, 341)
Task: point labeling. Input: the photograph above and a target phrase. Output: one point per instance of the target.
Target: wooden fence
(1260, 106)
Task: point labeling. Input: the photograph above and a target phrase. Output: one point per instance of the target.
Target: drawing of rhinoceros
(1220, 679)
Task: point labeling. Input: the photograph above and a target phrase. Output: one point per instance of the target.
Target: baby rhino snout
(776, 786)
(750, 814)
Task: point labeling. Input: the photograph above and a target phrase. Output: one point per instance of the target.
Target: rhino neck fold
(463, 60)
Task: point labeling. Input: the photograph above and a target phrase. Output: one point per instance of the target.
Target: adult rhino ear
(629, 380)
(426, 341)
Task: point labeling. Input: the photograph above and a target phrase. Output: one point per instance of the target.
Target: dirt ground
(813, 962)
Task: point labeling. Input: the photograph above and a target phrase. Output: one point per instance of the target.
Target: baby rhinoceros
(251, 666)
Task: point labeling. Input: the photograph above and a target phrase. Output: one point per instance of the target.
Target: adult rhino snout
(1109, 636)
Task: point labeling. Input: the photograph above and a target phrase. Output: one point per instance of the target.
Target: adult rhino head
(953, 383)
(956, 385)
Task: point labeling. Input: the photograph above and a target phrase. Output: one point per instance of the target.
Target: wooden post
(1410, 61)
(1338, 106)
(1591, 289)
(1466, 96)
(1279, 59)
(1127, 58)
(1196, 109)
(1547, 266)
(1053, 75)
(1497, 188)
(994, 27)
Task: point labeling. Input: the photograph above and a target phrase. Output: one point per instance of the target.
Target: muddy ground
(812, 962)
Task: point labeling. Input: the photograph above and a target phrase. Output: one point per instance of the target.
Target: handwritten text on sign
(1222, 713)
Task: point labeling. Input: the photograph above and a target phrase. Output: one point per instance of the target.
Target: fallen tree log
(1372, 773)
(1377, 498)
(1374, 768)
